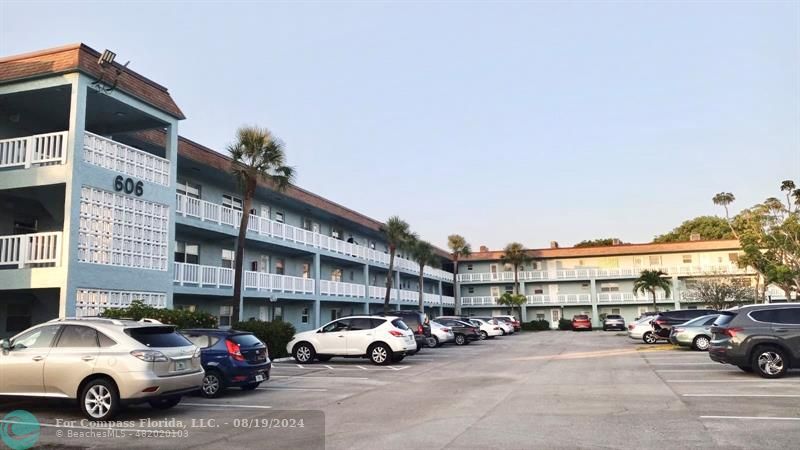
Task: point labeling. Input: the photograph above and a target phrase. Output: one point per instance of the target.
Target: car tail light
(233, 350)
(678, 330)
(630, 327)
(660, 322)
(149, 355)
(496, 328)
(731, 331)
(420, 330)
(446, 330)
(396, 333)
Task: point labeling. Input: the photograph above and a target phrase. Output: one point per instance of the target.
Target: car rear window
(581, 317)
(613, 316)
(724, 319)
(247, 340)
(158, 337)
(398, 323)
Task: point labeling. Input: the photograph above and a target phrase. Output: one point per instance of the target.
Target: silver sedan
(440, 334)
(695, 333)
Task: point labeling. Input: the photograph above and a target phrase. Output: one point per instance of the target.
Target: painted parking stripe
(751, 418)
(276, 388)
(745, 395)
(362, 367)
(733, 380)
(307, 377)
(712, 363)
(697, 370)
(225, 405)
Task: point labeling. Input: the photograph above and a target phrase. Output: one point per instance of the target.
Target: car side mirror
(5, 344)
(320, 331)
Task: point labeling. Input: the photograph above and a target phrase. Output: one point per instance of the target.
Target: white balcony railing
(448, 301)
(203, 276)
(37, 150)
(338, 288)
(221, 215)
(628, 297)
(211, 276)
(585, 274)
(31, 250)
(122, 158)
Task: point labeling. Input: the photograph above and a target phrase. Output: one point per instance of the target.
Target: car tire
(701, 343)
(213, 384)
(502, 332)
(769, 362)
(484, 335)
(324, 358)
(304, 353)
(380, 354)
(99, 399)
(249, 386)
(165, 402)
(436, 340)
(461, 339)
(432, 342)
(649, 338)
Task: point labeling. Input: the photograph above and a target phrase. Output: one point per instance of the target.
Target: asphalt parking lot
(533, 390)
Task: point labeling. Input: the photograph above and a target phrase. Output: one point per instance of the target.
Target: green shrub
(536, 325)
(275, 334)
(564, 324)
(180, 318)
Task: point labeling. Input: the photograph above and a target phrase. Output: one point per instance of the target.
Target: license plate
(259, 378)
(180, 365)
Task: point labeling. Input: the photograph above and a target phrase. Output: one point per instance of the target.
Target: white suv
(103, 363)
(382, 339)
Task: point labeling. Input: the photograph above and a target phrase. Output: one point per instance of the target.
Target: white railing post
(23, 250)
(28, 154)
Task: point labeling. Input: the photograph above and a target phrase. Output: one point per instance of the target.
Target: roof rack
(88, 319)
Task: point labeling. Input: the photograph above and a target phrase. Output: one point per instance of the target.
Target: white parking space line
(750, 418)
(362, 367)
(745, 395)
(329, 367)
(225, 405)
(307, 377)
(733, 380)
(698, 370)
(276, 388)
(711, 363)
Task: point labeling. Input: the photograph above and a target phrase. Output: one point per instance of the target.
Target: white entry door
(555, 315)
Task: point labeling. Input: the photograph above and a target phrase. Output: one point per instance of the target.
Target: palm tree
(514, 255)
(422, 252)
(397, 233)
(649, 281)
(512, 300)
(724, 199)
(257, 155)
(459, 248)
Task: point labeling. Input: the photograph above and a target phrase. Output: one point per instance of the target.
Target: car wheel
(460, 339)
(380, 354)
(325, 358)
(769, 362)
(164, 403)
(99, 399)
(304, 353)
(502, 332)
(213, 385)
(436, 340)
(250, 386)
(432, 342)
(701, 343)
(649, 338)
(747, 369)
(484, 335)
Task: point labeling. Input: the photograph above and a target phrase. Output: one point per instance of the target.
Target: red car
(581, 322)
(514, 322)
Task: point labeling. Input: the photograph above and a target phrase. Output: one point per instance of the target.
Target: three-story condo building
(561, 282)
(103, 203)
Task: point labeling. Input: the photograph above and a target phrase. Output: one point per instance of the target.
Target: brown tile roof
(614, 250)
(79, 57)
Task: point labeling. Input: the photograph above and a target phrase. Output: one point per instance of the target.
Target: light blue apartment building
(102, 203)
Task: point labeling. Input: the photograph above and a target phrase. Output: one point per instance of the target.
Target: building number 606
(128, 186)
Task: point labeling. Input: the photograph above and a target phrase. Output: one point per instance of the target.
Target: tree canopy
(601, 242)
(708, 227)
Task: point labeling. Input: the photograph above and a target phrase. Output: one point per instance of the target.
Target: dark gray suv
(758, 338)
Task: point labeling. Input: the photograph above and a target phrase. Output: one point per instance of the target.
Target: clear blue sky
(499, 121)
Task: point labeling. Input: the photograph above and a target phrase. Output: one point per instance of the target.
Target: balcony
(405, 296)
(221, 277)
(36, 150)
(586, 274)
(221, 215)
(628, 297)
(340, 289)
(112, 155)
(31, 250)
(567, 299)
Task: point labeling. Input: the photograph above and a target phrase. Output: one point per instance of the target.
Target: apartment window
(263, 265)
(265, 212)
(584, 285)
(352, 275)
(190, 308)
(304, 316)
(495, 290)
(687, 259)
(535, 265)
(336, 233)
(25, 226)
(471, 290)
(372, 245)
(509, 289)
(540, 316)
(335, 314)
(538, 291)
(277, 314)
(733, 257)
(225, 315)
(655, 260)
(469, 266)
(230, 201)
(306, 270)
(306, 223)
(336, 275)
(637, 261)
(279, 217)
(609, 287)
(188, 189)
(186, 252)
(279, 268)
(615, 311)
(228, 258)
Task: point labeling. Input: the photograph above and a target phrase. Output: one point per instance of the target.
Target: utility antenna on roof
(106, 63)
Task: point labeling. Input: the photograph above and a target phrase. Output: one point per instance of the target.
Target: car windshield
(158, 337)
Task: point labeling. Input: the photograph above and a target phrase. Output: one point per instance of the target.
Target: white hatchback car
(441, 334)
(487, 328)
(382, 339)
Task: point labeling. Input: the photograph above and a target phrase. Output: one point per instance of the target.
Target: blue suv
(230, 358)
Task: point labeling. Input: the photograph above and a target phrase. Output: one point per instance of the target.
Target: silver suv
(103, 363)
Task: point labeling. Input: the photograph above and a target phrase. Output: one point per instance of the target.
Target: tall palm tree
(398, 234)
(514, 255)
(651, 280)
(422, 252)
(459, 248)
(257, 155)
